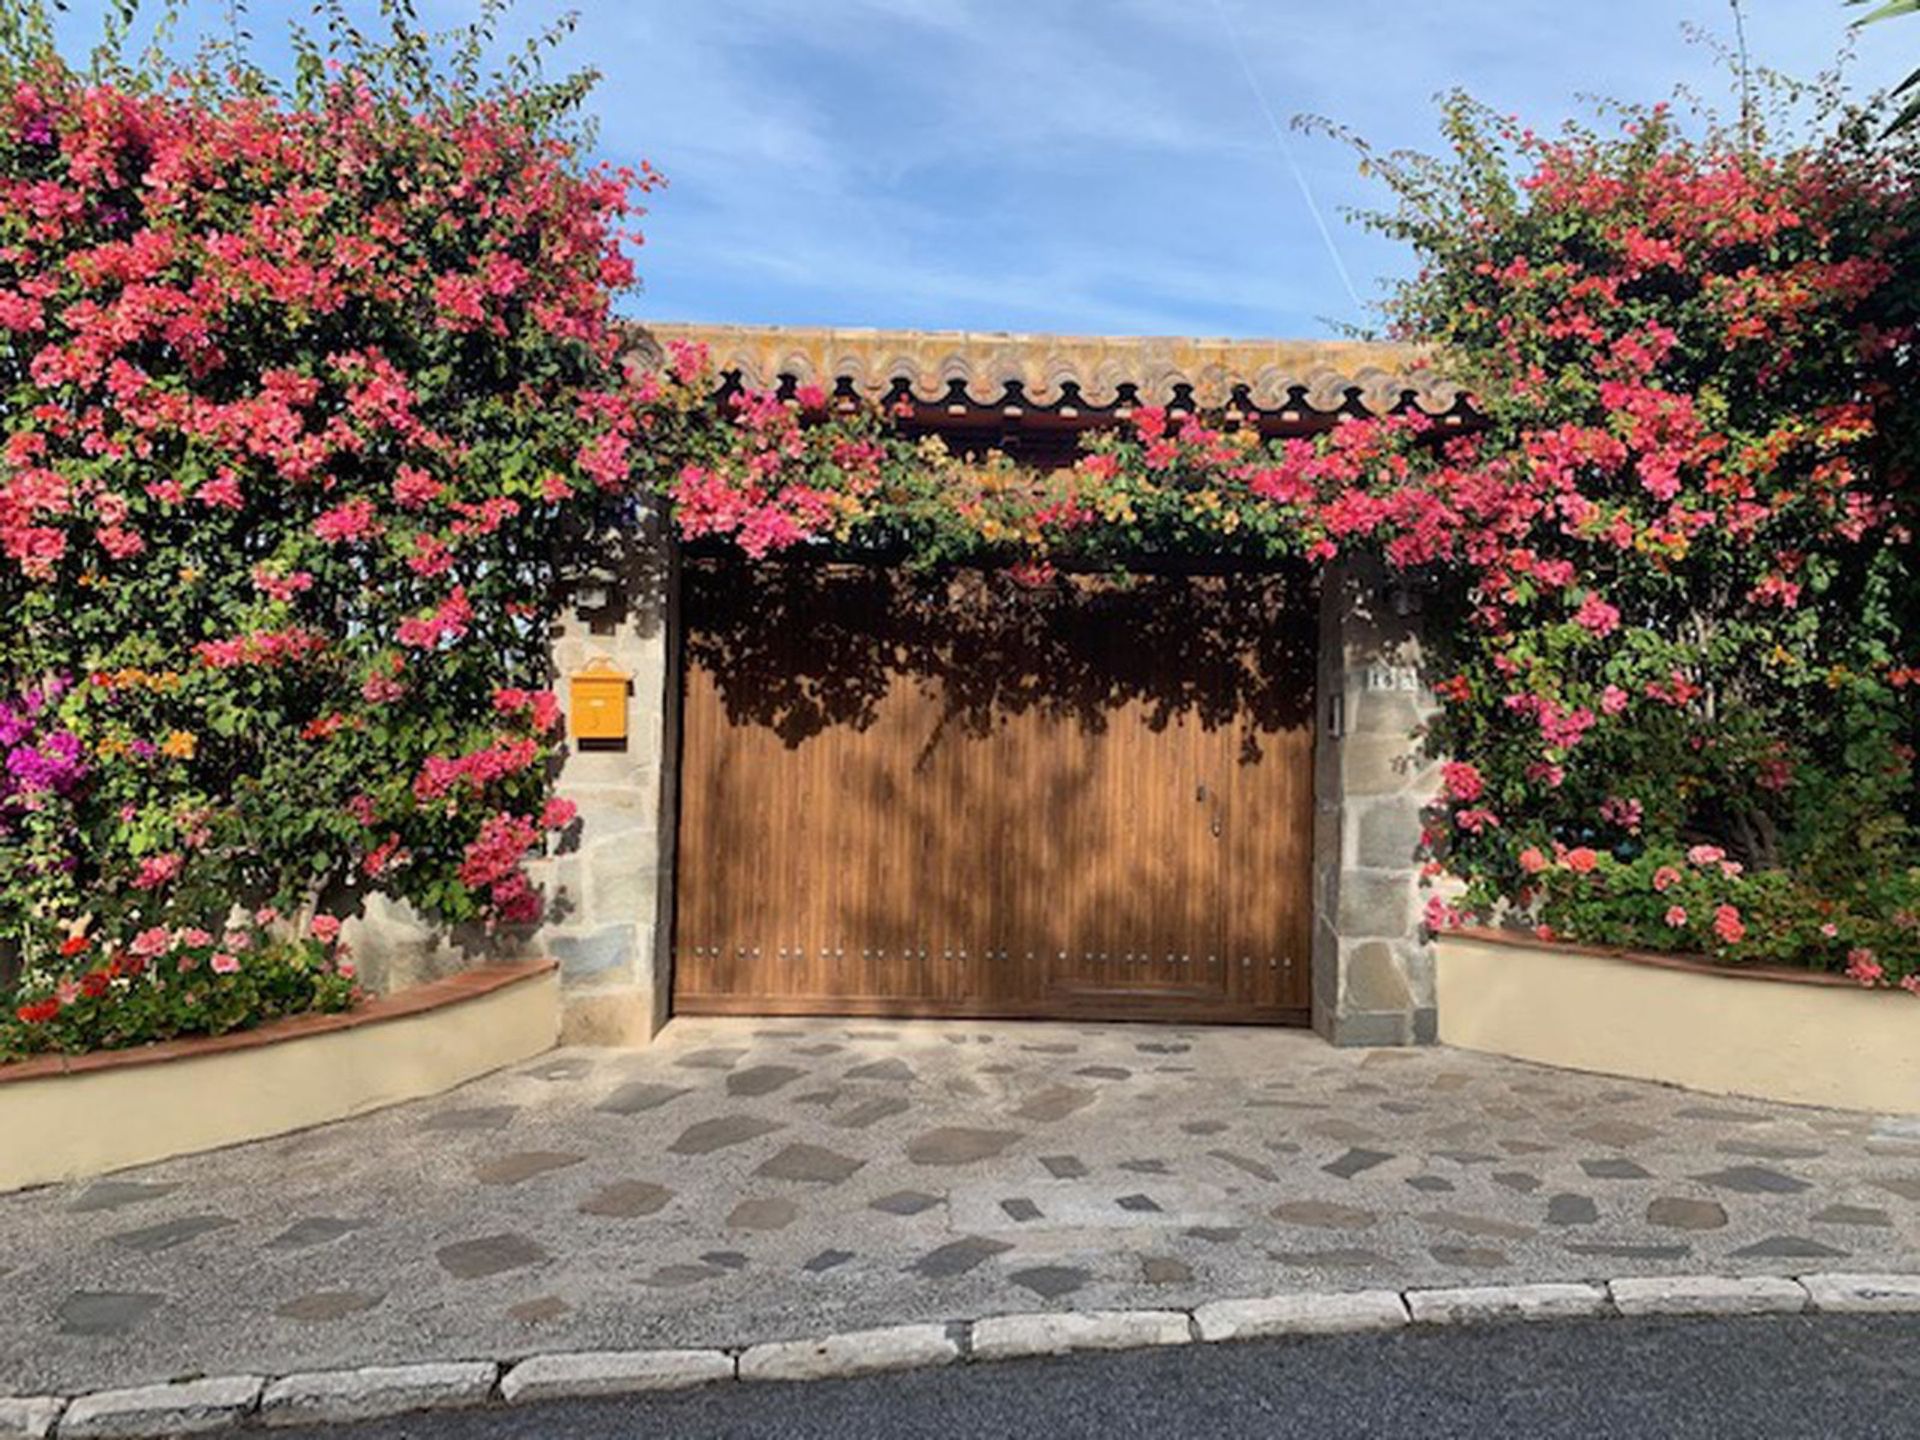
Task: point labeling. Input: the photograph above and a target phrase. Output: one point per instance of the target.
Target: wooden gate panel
(961, 798)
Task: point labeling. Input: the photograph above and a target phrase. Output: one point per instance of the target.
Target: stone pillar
(1372, 965)
(610, 887)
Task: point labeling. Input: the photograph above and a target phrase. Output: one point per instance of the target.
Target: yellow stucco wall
(1728, 1035)
(69, 1126)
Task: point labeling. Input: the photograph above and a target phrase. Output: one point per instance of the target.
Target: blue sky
(1086, 166)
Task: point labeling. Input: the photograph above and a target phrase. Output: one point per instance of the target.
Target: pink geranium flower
(1728, 925)
(1863, 967)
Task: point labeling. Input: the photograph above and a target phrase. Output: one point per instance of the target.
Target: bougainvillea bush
(307, 392)
(1671, 578)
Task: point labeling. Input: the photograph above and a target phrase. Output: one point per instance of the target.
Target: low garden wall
(1801, 1037)
(69, 1117)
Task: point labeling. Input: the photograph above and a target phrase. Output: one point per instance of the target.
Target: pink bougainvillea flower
(354, 521)
(1582, 860)
(1597, 617)
(1665, 878)
(1462, 780)
(1625, 813)
(1676, 916)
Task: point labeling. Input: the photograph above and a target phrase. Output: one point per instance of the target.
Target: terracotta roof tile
(1321, 375)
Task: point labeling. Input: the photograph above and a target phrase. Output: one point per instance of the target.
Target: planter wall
(1774, 1035)
(69, 1117)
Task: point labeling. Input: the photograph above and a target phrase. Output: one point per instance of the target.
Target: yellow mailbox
(599, 710)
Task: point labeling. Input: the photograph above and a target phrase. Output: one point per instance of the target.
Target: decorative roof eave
(961, 371)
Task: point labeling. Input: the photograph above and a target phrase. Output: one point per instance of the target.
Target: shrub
(1672, 574)
(308, 392)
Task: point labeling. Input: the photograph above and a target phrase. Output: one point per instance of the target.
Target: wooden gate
(901, 796)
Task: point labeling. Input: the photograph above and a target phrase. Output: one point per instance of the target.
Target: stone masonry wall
(610, 887)
(1372, 966)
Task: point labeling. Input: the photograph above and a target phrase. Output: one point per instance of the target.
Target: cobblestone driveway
(746, 1180)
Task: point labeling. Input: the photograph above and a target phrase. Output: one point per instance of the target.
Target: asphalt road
(1836, 1377)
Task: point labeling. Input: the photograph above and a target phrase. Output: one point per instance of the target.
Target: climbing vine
(1672, 574)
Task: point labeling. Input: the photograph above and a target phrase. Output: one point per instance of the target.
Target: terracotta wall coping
(417, 1000)
(1521, 940)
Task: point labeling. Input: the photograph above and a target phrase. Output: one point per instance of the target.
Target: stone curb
(1009, 1337)
(1707, 1295)
(1864, 1294)
(192, 1407)
(612, 1372)
(858, 1352)
(1482, 1304)
(340, 1396)
(30, 1417)
(1301, 1315)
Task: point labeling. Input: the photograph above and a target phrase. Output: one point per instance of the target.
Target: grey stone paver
(707, 1136)
(762, 1079)
(168, 1233)
(958, 1145)
(813, 1163)
(327, 1305)
(489, 1255)
(763, 1215)
(313, 1230)
(904, 1202)
(1677, 1212)
(909, 1174)
(1356, 1162)
(113, 1194)
(1753, 1180)
(626, 1199)
(104, 1312)
(524, 1165)
(637, 1097)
